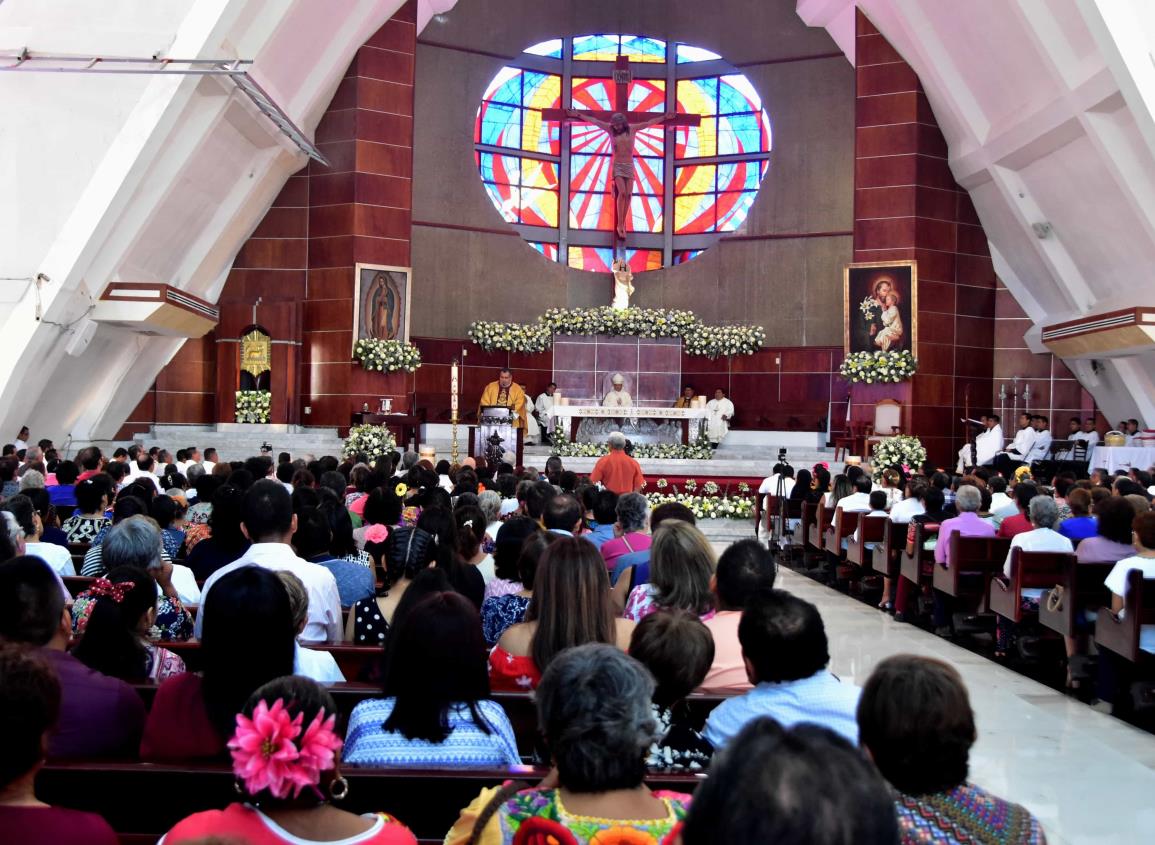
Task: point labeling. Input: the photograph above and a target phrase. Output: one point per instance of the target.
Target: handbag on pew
(1055, 599)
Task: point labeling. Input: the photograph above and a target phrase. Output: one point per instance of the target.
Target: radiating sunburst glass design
(689, 188)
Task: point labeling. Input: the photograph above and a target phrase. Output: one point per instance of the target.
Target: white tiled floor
(1088, 777)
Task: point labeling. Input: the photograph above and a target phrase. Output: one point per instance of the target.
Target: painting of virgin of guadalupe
(381, 303)
(880, 303)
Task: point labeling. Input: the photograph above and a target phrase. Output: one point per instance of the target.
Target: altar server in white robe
(617, 397)
(532, 429)
(988, 443)
(721, 411)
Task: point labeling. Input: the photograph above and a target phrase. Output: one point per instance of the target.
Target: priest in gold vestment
(506, 394)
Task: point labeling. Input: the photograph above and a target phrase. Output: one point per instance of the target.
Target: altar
(1112, 458)
(641, 425)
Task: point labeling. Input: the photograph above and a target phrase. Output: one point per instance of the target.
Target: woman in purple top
(630, 530)
(30, 702)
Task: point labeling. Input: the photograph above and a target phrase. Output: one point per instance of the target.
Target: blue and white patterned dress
(367, 745)
(499, 613)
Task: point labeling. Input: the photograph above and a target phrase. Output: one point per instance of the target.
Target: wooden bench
(141, 799)
(974, 561)
(352, 659)
(816, 531)
(841, 527)
(915, 561)
(871, 530)
(1029, 570)
(77, 584)
(888, 553)
(1083, 590)
(1119, 633)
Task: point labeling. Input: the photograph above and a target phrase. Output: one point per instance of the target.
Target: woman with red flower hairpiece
(286, 757)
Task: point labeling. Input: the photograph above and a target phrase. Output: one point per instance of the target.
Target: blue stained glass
(733, 208)
(739, 176)
(736, 88)
(589, 93)
(645, 213)
(595, 48)
(500, 125)
(506, 200)
(739, 133)
(533, 80)
(648, 96)
(590, 211)
(550, 49)
(681, 256)
(650, 142)
(642, 49)
(506, 87)
(499, 168)
(687, 54)
(587, 138)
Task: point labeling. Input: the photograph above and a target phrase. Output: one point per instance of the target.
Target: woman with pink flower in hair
(286, 757)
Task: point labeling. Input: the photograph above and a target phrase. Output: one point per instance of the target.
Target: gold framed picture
(880, 307)
(381, 302)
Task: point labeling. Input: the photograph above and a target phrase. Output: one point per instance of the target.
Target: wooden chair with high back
(1082, 590)
(841, 527)
(872, 531)
(887, 423)
(853, 440)
(1029, 570)
(816, 530)
(1119, 632)
(973, 562)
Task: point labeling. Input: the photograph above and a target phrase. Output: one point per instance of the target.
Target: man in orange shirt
(617, 471)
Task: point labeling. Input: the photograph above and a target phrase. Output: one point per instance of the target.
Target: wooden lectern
(495, 435)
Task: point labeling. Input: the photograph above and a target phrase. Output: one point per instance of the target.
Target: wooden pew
(974, 561)
(77, 584)
(871, 529)
(352, 659)
(142, 798)
(1120, 632)
(1083, 590)
(841, 527)
(915, 562)
(1029, 570)
(888, 553)
(816, 531)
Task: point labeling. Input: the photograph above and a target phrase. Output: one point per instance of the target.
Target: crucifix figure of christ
(622, 125)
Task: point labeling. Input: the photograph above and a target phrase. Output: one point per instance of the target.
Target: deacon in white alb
(988, 443)
(721, 412)
(543, 404)
(618, 398)
(532, 429)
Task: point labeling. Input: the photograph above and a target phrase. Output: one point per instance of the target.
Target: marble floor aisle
(1089, 778)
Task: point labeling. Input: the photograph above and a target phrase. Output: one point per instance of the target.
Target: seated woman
(471, 526)
(438, 520)
(746, 800)
(225, 541)
(915, 721)
(510, 538)
(678, 650)
(1080, 525)
(1043, 537)
(682, 563)
(125, 507)
(93, 497)
(288, 799)
(121, 615)
(593, 709)
(406, 552)
(436, 710)
(169, 516)
(1112, 540)
(32, 526)
(570, 607)
(629, 531)
(247, 641)
(135, 543)
(30, 704)
(382, 509)
(501, 612)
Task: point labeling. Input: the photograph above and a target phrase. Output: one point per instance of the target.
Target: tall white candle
(453, 388)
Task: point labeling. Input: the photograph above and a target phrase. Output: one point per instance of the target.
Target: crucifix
(623, 126)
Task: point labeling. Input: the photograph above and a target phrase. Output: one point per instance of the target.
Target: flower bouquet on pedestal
(387, 356)
(904, 450)
(373, 441)
(253, 406)
(878, 367)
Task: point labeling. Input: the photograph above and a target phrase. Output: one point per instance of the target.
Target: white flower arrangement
(902, 450)
(373, 441)
(878, 367)
(253, 406)
(641, 451)
(699, 339)
(707, 507)
(387, 356)
(868, 307)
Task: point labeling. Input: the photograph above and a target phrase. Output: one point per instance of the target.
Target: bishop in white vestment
(618, 398)
(721, 411)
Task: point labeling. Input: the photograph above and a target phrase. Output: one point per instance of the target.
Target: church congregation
(497, 422)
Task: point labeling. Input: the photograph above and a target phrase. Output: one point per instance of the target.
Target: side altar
(642, 425)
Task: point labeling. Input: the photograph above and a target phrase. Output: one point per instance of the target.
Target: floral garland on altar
(641, 451)
(373, 441)
(387, 356)
(699, 338)
(710, 503)
(253, 406)
(881, 367)
(903, 450)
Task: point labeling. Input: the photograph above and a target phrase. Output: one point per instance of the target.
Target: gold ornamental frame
(900, 269)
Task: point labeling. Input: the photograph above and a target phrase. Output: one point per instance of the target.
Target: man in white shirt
(1089, 434)
(999, 498)
(721, 411)
(532, 427)
(210, 460)
(267, 519)
(618, 397)
(902, 512)
(1132, 432)
(1041, 445)
(769, 485)
(1010, 458)
(859, 500)
(988, 442)
(542, 405)
(142, 467)
(21, 441)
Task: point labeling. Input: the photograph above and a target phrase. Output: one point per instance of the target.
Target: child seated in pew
(319, 666)
(29, 709)
(436, 709)
(878, 505)
(287, 801)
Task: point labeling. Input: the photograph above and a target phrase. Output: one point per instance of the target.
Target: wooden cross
(622, 77)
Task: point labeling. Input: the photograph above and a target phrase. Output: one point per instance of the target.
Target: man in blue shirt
(605, 515)
(784, 646)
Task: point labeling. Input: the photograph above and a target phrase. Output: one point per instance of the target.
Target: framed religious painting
(381, 302)
(880, 306)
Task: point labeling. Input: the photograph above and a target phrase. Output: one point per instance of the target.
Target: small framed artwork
(880, 306)
(381, 302)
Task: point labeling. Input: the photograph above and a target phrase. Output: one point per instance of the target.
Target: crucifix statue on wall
(623, 126)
